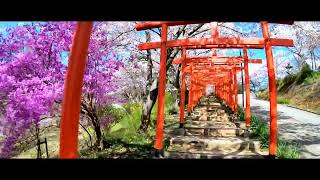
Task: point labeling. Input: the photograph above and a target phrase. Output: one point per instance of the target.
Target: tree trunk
(148, 103)
(151, 94)
(177, 86)
(91, 113)
(39, 154)
(99, 142)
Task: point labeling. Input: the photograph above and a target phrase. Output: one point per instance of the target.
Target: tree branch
(195, 29)
(87, 133)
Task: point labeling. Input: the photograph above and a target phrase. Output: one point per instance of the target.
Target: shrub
(172, 109)
(263, 94)
(116, 112)
(282, 100)
(315, 76)
(261, 131)
(286, 82)
(303, 74)
(288, 151)
(241, 114)
(129, 123)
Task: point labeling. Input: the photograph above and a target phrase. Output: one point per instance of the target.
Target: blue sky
(257, 53)
(7, 24)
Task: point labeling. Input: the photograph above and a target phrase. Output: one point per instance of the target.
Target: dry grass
(304, 96)
(53, 135)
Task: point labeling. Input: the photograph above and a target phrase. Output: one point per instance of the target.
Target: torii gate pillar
(272, 91)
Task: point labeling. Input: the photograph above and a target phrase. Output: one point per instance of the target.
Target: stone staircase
(211, 133)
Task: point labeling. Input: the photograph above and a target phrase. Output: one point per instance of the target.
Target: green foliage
(241, 114)
(283, 84)
(132, 108)
(282, 100)
(129, 123)
(289, 79)
(288, 151)
(172, 109)
(314, 77)
(125, 129)
(168, 100)
(263, 94)
(122, 136)
(261, 130)
(120, 149)
(169, 109)
(116, 113)
(303, 74)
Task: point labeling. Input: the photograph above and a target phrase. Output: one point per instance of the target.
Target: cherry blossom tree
(306, 37)
(32, 75)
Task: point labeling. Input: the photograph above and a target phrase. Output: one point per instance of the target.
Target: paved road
(294, 125)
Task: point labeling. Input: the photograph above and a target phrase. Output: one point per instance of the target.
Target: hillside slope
(300, 90)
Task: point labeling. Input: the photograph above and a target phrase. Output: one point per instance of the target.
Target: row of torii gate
(220, 72)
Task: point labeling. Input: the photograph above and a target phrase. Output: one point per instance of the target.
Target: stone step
(214, 143)
(206, 132)
(212, 128)
(205, 112)
(215, 109)
(209, 104)
(214, 131)
(174, 127)
(213, 155)
(241, 124)
(214, 104)
(208, 118)
(210, 123)
(206, 108)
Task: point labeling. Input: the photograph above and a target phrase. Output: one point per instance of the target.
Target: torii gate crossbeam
(266, 41)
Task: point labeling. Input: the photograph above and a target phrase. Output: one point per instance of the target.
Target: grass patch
(241, 114)
(172, 109)
(260, 130)
(129, 123)
(314, 77)
(265, 96)
(168, 110)
(288, 150)
(282, 100)
(122, 136)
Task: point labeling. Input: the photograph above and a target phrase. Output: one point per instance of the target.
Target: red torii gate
(215, 35)
(194, 74)
(77, 60)
(214, 60)
(266, 41)
(227, 80)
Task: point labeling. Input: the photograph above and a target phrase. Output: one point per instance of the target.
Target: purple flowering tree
(32, 75)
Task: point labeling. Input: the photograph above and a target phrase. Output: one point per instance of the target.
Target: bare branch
(205, 30)
(155, 32)
(232, 29)
(122, 33)
(195, 29)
